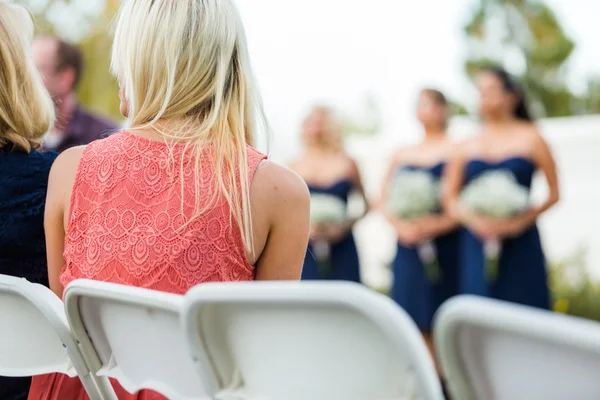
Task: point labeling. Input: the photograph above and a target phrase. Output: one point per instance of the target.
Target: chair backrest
(135, 336)
(35, 337)
(300, 340)
(494, 350)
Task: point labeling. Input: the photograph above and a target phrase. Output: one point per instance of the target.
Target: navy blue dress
(412, 288)
(23, 185)
(343, 265)
(521, 276)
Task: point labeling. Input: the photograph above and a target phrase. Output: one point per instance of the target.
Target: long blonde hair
(26, 109)
(186, 61)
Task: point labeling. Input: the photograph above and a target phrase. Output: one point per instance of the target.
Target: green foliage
(530, 28)
(457, 108)
(574, 291)
(98, 89)
(472, 66)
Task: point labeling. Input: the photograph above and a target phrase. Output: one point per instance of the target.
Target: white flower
(326, 209)
(495, 194)
(413, 194)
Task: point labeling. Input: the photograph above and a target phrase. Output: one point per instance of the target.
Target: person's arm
(336, 232)
(542, 156)
(445, 221)
(360, 190)
(285, 198)
(387, 179)
(60, 186)
(453, 179)
(437, 225)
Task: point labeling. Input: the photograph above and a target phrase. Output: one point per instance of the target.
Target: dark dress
(521, 276)
(23, 185)
(412, 289)
(343, 264)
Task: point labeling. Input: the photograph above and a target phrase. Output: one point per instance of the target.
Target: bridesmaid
(509, 140)
(413, 290)
(327, 169)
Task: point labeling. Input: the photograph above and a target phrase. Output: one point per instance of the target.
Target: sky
(337, 51)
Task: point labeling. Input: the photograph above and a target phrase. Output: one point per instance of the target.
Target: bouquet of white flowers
(495, 194)
(325, 209)
(415, 194)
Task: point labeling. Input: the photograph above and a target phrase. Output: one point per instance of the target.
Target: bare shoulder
(539, 150)
(62, 178)
(298, 165)
(532, 132)
(66, 164)
(531, 137)
(402, 154)
(351, 165)
(277, 186)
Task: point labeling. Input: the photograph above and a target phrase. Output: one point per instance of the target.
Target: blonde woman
(329, 170)
(26, 114)
(179, 198)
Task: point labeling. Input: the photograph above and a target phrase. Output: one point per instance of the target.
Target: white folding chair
(308, 341)
(495, 350)
(135, 336)
(35, 338)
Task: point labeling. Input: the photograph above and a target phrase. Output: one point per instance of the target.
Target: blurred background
(368, 60)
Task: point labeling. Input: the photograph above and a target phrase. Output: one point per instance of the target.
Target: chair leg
(105, 388)
(91, 388)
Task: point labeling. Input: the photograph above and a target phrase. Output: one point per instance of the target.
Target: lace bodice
(127, 225)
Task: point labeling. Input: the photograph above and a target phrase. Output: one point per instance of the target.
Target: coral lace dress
(127, 225)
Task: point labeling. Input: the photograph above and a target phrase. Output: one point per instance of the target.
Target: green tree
(525, 30)
(574, 291)
(457, 108)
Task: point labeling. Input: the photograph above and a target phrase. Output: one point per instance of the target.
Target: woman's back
(129, 223)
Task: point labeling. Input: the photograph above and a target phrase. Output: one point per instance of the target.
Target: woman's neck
(435, 135)
(498, 127)
(501, 121)
(169, 130)
(320, 150)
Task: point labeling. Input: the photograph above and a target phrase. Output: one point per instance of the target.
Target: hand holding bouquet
(495, 194)
(325, 211)
(415, 194)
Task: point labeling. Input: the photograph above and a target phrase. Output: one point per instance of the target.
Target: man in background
(61, 66)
